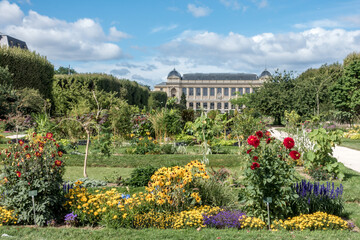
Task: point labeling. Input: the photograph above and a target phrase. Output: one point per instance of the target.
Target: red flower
(38, 154)
(267, 133)
(49, 135)
(248, 151)
(256, 143)
(18, 173)
(268, 140)
(53, 155)
(259, 134)
(255, 158)
(295, 155)
(289, 143)
(58, 163)
(57, 146)
(26, 147)
(21, 142)
(251, 140)
(60, 153)
(28, 156)
(9, 155)
(255, 165)
(34, 134)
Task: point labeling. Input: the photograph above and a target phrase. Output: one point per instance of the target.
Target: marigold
(58, 163)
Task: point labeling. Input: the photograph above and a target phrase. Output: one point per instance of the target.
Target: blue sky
(144, 40)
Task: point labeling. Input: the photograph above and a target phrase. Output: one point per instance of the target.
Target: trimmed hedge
(29, 69)
(68, 88)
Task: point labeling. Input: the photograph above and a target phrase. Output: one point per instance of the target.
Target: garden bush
(140, 176)
(28, 167)
(269, 174)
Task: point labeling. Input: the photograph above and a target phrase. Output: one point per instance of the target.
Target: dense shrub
(141, 176)
(29, 70)
(35, 166)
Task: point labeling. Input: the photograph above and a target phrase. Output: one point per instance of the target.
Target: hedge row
(29, 69)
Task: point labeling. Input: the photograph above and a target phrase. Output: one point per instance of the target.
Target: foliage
(292, 119)
(86, 182)
(188, 115)
(103, 141)
(31, 102)
(157, 99)
(275, 96)
(29, 69)
(65, 70)
(183, 101)
(168, 148)
(269, 174)
(141, 176)
(172, 122)
(33, 167)
(225, 219)
(315, 221)
(5, 76)
(319, 173)
(143, 125)
(321, 155)
(8, 100)
(43, 123)
(120, 117)
(314, 197)
(346, 90)
(146, 145)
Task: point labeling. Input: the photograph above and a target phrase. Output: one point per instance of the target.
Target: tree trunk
(86, 151)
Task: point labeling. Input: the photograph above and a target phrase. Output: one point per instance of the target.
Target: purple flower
(224, 219)
(70, 219)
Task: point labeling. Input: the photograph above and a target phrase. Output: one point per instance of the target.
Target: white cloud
(10, 13)
(351, 21)
(198, 11)
(116, 35)
(81, 40)
(164, 28)
(292, 51)
(233, 4)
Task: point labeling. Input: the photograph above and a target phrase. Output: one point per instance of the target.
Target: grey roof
(161, 84)
(13, 42)
(219, 76)
(265, 73)
(174, 73)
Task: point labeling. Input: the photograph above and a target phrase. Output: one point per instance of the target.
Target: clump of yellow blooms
(171, 186)
(252, 223)
(315, 221)
(7, 217)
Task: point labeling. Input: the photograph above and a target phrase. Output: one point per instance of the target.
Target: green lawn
(99, 173)
(101, 233)
(350, 143)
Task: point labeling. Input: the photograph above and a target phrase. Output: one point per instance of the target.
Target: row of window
(219, 91)
(205, 105)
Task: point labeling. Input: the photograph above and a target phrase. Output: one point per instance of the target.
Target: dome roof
(174, 73)
(265, 73)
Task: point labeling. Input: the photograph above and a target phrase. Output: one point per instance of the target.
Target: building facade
(211, 91)
(9, 41)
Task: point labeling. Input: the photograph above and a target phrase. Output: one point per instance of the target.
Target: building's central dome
(174, 73)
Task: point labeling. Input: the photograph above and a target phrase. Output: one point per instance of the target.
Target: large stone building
(208, 91)
(9, 41)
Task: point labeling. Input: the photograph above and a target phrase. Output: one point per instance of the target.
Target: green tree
(157, 99)
(346, 90)
(183, 101)
(65, 70)
(275, 96)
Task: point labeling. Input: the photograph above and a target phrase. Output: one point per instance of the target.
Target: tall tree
(275, 96)
(346, 91)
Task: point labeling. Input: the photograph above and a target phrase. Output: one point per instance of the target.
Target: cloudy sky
(144, 40)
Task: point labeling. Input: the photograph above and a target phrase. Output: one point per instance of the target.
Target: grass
(102, 233)
(350, 143)
(99, 173)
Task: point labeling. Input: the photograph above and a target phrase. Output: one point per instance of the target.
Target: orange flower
(58, 163)
(28, 156)
(21, 142)
(38, 154)
(60, 153)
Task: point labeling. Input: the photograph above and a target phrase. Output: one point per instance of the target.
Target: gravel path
(349, 157)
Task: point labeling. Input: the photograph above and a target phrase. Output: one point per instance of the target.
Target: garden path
(349, 157)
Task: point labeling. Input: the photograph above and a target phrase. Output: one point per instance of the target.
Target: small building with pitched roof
(6, 40)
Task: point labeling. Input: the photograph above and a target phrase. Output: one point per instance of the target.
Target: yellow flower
(115, 217)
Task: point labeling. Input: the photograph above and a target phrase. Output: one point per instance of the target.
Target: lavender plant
(71, 219)
(314, 197)
(224, 219)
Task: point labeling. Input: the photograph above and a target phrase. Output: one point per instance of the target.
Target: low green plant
(319, 173)
(89, 183)
(140, 176)
(321, 155)
(168, 149)
(146, 145)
